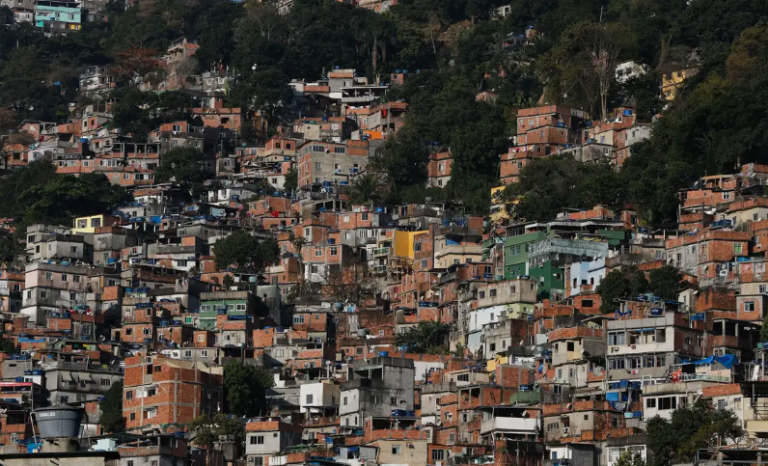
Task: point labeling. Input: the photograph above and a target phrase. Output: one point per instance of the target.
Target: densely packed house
(535, 369)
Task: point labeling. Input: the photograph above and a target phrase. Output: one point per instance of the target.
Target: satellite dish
(598, 371)
(620, 405)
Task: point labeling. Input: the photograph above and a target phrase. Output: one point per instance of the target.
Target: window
(345, 401)
(667, 403)
(762, 289)
(438, 455)
(749, 306)
(334, 251)
(587, 303)
(737, 248)
(374, 399)
(258, 461)
(257, 440)
(721, 404)
(417, 246)
(106, 382)
(650, 402)
(76, 278)
(318, 252)
(63, 277)
(310, 399)
(616, 338)
(648, 361)
(318, 166)
(48, 275)
(493, 292)
(298, 319)
(615, 364)
(129, 395)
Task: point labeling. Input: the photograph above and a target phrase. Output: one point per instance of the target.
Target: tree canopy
(245, 386)
(692, 427)
(244, 252)
(425, 337)
(111, 417)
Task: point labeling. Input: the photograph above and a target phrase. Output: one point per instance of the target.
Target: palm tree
(365, 190)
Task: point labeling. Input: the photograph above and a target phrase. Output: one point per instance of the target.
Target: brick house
(162, 394)
(439, 169)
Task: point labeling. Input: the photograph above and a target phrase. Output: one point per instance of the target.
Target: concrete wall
(322, 395)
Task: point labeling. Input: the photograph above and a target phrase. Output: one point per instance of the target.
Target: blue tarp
(612, 396)
(727, 361)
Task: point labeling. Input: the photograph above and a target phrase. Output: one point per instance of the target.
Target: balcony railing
(381, 251)
(510, 424)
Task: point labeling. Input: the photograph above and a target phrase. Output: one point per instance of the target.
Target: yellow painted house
(89, 224)
(404, 242)
(672, 82)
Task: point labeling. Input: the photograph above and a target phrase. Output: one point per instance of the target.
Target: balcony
(378, 252)
(509, 424)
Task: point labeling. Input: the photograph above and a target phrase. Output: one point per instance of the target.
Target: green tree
(137, 113)
(665, 281)
(625, 283)
(265, 90)
(691, 428)
(549, 185)
(628, 459)
(65, 197)
(426, 337)
(291, 180)
(184, 165)
(245, 386)
(37, 173)
(580, 69)
(365, 189)
(245, 252)
(228, 281)
(111, 417)
(206, 430)
(7, 346)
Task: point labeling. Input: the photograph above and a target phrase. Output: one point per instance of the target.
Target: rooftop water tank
(59, 421)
